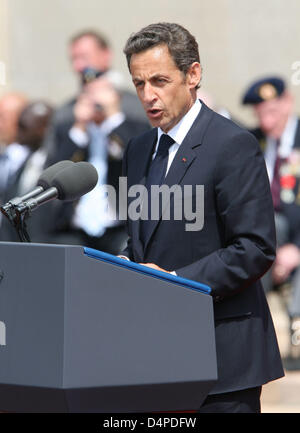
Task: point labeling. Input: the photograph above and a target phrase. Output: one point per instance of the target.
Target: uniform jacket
(290, 185)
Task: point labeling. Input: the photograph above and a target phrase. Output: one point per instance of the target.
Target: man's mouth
(154, 113)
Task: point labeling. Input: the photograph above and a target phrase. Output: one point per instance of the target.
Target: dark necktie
(275, 184)
(156, 175)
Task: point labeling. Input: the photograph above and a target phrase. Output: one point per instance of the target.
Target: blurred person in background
(31, 128)
(278, 132)
(95, 126)
(98, 135)
(91, 57)
(12, 154)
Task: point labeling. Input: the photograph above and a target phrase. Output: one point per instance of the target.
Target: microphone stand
(17, 211)
(18, 221)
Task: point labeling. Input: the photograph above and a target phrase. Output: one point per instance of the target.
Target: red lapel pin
(183, 159)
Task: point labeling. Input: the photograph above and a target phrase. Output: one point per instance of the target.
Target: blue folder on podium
(109, 258)
(86, 331)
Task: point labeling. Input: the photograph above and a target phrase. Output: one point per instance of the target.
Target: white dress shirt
(33, 169)
(92, 212)
(179, 131)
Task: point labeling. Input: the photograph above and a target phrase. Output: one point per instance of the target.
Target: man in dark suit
(31, 129)
(278, 133)
(190, 146)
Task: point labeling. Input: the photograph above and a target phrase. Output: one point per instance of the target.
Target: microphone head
(75, 181)
(45, 179)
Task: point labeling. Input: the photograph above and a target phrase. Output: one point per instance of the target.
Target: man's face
(273, 115)
(165, 93)
(86, 53)
(10, 108)
(7, 126)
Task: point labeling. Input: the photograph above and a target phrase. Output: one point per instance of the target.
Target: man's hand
(287, 259)
(103, 95)
(149, 265)
(123, 257)
(153, 266)
(98, 101)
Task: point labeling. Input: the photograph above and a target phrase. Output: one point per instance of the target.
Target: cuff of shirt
(124, 257)
(79, 137)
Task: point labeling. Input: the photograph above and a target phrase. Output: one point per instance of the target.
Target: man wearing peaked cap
(278, 132)
(264, 90)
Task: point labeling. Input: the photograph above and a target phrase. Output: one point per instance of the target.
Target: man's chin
(155, 123)
(156, 120)
(159, 124)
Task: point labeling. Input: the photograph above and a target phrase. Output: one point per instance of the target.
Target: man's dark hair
(33, 123)
(98, 37)
(181, 44)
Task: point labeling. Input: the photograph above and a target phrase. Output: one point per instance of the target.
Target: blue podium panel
(89, 332)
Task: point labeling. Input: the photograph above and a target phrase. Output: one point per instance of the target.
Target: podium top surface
(127, 264)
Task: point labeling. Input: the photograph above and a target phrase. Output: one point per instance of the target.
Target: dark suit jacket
(235, 247)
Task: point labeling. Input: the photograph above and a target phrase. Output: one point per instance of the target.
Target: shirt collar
(180, 130)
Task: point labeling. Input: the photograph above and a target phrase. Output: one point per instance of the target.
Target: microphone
(44, 182)
(67, 185)
(47, 176)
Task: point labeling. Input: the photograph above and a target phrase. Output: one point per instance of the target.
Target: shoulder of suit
(227, 127)
(258, 133)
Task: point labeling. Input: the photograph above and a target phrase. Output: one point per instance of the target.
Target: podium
(85, 331)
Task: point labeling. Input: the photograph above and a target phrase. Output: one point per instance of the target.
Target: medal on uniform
(287, 195)
(287, 183)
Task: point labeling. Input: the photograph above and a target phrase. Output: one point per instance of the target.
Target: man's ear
(193, 75)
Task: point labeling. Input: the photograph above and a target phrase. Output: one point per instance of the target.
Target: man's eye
(161, 81)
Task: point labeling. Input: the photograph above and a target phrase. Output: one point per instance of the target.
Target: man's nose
(149, 94)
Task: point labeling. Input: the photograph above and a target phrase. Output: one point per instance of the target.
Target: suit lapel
(185, 155)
